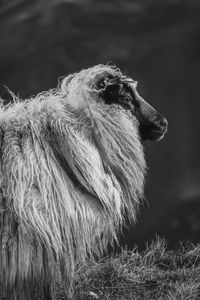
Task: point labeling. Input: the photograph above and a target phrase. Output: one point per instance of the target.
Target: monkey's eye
(125, 94)
(125, 98)
(125, 101)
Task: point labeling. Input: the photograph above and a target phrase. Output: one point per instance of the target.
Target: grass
(155, 273)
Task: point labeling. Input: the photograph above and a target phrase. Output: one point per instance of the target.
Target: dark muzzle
(152, 124)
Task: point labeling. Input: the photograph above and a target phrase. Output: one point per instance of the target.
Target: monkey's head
(123, 91)
(113, 88)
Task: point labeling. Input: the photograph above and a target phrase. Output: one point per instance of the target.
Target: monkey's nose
(161, 122)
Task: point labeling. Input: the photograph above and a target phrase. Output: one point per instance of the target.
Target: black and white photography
(99, 150)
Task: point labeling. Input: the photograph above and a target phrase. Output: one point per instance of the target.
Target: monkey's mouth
(156, 135)
(153, 131)
(153, 135)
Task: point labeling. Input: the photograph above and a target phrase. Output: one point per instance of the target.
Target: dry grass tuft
(155, 273)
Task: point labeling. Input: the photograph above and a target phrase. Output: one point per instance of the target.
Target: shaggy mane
(71, 169)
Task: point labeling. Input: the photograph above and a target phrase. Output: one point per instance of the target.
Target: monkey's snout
(153, 129)
(161, 125)
(158, 128)
(161, 122)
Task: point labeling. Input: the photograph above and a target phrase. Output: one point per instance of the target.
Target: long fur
(71, 169)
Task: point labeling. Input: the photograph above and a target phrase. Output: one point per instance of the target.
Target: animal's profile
(71, 167)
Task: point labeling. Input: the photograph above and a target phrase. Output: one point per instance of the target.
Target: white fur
(49, 221)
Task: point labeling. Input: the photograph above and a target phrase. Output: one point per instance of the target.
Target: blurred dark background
(158, 44)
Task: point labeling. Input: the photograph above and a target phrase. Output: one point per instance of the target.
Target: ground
(155, 273)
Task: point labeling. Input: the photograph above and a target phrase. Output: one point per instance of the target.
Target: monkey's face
(122, 91)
